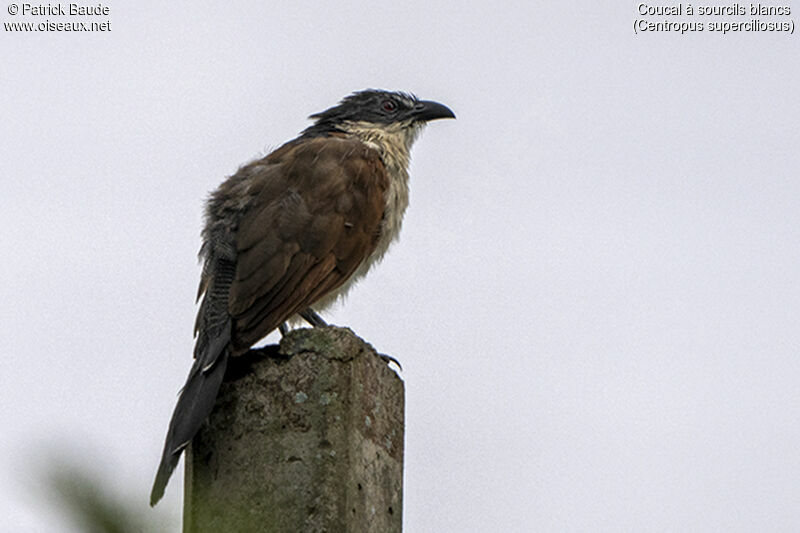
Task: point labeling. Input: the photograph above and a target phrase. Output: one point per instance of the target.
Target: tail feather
(194, 405)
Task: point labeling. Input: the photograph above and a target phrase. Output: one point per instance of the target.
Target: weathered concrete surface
(305, 437)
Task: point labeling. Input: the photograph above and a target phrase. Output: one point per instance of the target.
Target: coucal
(293, 230)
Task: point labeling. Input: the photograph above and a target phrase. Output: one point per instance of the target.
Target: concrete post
(305, 437)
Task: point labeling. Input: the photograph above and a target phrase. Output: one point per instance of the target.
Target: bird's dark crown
(377, 107)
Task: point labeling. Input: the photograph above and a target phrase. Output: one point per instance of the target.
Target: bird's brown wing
(316, 215)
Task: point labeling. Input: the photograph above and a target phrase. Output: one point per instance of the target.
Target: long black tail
(194, 405)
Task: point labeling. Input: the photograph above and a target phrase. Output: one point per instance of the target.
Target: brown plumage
(315, 216)
(295, 229)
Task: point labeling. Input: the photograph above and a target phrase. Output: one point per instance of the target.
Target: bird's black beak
(426, 110)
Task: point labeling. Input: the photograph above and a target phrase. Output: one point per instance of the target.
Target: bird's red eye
(388, 105)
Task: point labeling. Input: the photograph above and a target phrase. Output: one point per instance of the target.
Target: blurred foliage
(93, 506)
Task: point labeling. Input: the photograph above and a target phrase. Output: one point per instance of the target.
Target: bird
(290, 233)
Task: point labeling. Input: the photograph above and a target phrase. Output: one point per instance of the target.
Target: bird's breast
(395, 204)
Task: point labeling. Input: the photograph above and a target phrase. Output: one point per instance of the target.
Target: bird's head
(382, 109)
(379, 117)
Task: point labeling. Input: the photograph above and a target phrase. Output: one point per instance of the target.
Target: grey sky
(595, 294)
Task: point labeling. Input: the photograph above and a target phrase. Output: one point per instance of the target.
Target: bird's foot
(311, 316)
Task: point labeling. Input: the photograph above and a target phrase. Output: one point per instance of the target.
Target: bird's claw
(389, 359)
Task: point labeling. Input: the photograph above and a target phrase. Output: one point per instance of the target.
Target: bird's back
(304, 218)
